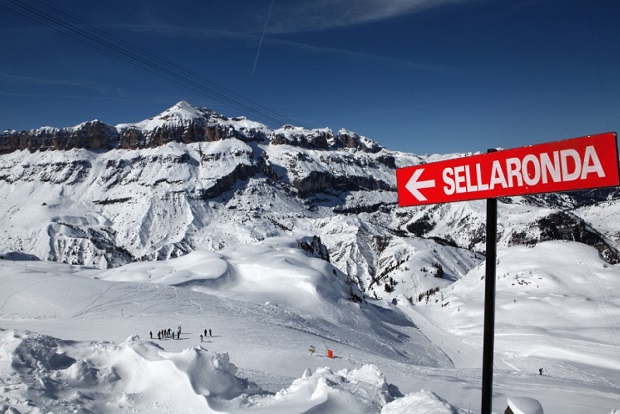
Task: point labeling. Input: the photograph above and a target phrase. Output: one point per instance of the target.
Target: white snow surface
(77, 339)
(183, 113)
(524, 405)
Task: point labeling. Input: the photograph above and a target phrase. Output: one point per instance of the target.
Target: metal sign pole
(489, 307)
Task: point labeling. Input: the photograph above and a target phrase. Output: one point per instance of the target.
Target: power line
(62, 22)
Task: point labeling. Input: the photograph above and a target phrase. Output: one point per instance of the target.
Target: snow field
(92, 350)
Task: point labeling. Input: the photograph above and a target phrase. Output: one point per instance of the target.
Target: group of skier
(167, 333)
(207, 331)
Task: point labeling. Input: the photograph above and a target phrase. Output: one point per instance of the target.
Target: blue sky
(420, 76)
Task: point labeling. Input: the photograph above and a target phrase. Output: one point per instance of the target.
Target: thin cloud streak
(314, 15)
(213, 34)
(166, 30)
(359, 55)
(298, 16)
(24, 80)
(119, 97)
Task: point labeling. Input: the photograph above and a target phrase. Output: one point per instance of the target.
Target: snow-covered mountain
(278, 240)
(190, 178)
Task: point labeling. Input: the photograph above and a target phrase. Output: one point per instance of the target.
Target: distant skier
(201, 338)
(312, 350)
(540, 371)
(210, 334)
(205, 332)
(151, 333)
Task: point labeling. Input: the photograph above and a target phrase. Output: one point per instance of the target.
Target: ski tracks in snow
(128, 295)
(460, 353)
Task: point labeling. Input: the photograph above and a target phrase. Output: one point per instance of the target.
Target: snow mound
(40, 373)
(422, 402)
(362, 390)
(551, 301)
(53, 375)
(524, 405)
(276, 270)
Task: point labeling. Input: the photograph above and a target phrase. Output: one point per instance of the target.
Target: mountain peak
(181, 113)
(185, 110)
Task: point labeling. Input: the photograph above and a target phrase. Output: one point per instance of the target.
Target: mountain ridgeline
(190, 178)
(181, 123)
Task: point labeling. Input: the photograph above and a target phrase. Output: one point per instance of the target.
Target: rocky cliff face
(183, 124)
(94, 135)
(191, 179)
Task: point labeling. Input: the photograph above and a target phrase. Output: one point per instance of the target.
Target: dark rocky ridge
(96, 135)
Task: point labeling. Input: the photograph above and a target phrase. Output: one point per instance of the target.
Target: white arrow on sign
(413, 185)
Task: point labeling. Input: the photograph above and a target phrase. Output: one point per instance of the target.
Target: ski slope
(77, 339)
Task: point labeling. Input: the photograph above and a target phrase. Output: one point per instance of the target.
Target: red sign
(573, 164)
